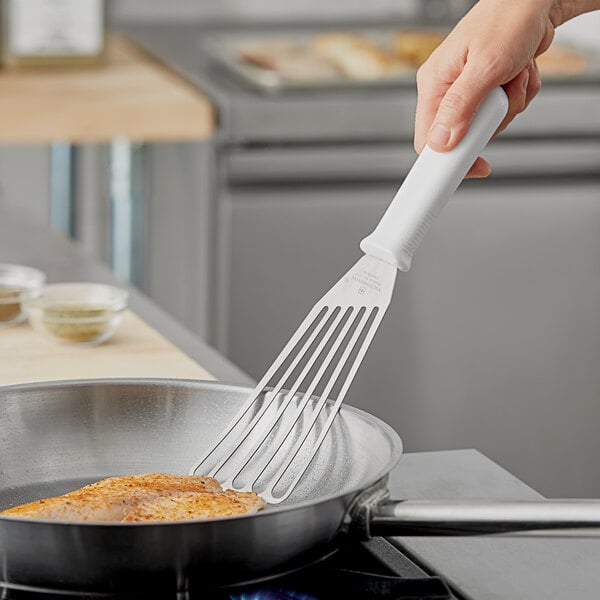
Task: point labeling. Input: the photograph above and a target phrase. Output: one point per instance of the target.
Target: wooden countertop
(149, 341)
(135, 350)
(130, 95)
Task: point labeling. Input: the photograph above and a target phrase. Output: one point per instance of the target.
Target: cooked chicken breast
(149, 497)
(192, 505)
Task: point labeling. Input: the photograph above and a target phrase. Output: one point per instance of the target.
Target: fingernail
(485, 172)
(439, 135)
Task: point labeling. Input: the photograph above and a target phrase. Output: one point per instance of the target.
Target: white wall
(25, 181)
(282, 10)
(583, 30)
(285, 10)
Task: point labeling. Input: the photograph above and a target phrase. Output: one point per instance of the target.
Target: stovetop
(373, 570)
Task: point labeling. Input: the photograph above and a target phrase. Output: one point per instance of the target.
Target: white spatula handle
(429, 184)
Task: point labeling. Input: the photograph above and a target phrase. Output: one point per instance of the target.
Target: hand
(494, 44)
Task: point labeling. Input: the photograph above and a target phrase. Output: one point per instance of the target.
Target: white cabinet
(25, 181)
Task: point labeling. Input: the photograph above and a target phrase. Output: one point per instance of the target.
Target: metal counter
(493, 568)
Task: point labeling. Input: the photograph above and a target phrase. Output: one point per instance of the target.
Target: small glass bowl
(82, 314)
(18, 285)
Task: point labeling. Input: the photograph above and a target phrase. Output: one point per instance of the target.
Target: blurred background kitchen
(236, 218)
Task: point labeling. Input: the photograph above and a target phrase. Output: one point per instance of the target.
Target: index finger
(429, 96)
(457, 108)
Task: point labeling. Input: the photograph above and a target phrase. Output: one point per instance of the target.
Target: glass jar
(53, 32)
(18, 285)
(78, 313)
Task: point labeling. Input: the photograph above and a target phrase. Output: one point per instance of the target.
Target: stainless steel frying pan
(57, 436)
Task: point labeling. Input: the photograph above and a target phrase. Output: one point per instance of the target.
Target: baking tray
(223, 50)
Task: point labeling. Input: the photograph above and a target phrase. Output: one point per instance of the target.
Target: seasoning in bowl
(10, 303)
(18, 284)
(78, 313)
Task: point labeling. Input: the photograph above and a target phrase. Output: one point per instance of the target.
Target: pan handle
(548, 518)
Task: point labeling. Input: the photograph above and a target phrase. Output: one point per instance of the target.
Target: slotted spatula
(271, 441)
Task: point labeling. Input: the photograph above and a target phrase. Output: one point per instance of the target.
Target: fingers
(445, 113)
(521, 91)
(445, 110)
(516, 91)
(456, 110)
(534, 85)
(481, 168)
(452, 112)
(427, 107)
(492, 45)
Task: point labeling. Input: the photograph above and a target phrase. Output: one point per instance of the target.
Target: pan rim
(394, 438)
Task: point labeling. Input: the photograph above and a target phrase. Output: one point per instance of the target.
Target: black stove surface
(373, 570)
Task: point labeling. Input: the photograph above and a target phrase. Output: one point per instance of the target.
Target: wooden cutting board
(130, 95)
(135, 350)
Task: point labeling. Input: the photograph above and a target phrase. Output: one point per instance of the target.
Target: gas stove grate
(373, 570)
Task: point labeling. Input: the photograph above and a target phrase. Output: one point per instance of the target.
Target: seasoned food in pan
(149, 497)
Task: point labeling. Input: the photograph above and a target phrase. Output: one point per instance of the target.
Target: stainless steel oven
(493, 338)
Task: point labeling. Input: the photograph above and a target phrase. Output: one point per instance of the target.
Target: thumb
(456, 111)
